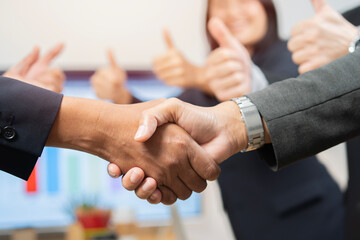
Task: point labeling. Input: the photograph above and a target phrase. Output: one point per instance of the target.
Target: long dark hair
(270, 37)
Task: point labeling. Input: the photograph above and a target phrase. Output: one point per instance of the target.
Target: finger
(55, 79)
(300, 28)
(168, 196)
(164, 65)
(304, 54)
(223, 70)
(112, 59)
(155, 198)
(146, 189)
(25, 64)
(51, 54)
(168, 40)
(113, 170)
(221, 55)
(177, 81)
(234, 92)
(234, 80)
(318, 5)
(311, 65)
(171, 73)
(171, 57)
(202, 163)
(193, 181)
(133, 178)
(297, 42)
(180, 189)
(221, 34)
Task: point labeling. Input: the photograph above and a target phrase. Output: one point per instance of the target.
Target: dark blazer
(311, 113)
(299, 202)
(27, 114)
(352, 199)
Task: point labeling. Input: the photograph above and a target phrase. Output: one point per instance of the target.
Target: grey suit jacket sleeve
(31, 111)
(311, 113)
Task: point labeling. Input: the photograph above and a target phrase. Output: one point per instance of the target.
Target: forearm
(76, 125)
(313, 112)
(88, 125)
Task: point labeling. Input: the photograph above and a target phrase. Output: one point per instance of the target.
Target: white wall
(131, 27)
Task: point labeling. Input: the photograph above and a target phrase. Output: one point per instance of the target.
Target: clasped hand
(223, 135)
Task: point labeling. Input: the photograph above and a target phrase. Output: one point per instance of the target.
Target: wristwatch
(252, 119)
(355, 44)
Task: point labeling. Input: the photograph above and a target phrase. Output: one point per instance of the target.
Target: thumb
(112, 59)
(53, 53)
(168, 40)
(221, 34)
(152, 118)
(318, 5)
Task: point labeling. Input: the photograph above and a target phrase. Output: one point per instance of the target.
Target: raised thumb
(222, 34)
(318, 5)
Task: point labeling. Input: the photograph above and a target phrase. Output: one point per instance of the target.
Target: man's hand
(134, 180)
(219, 130)
(321, 39)
(36, 70)
(227, 68)
(172, 158)
(174, 69)
(109, 82)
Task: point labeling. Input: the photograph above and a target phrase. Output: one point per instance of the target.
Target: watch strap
(252, 120)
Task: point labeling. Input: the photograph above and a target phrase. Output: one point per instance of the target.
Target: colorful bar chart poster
(31, 184)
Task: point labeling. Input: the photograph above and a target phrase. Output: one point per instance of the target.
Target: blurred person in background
(35, 69)
(300, 202)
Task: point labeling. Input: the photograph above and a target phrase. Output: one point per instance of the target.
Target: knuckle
(212, 171)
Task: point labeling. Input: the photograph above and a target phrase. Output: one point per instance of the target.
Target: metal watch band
(252, 119)
(355, 44)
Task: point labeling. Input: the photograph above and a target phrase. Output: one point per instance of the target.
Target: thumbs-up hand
(321, 39)
(36, 70)
(228, 67)
(109, 82)
(172, 67)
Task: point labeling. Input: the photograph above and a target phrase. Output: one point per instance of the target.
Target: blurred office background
(133, 29)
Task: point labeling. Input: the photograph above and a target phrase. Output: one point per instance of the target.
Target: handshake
(166, 148)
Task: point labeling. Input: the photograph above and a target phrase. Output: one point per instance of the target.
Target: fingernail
(147, 187)
(111, 174)
(140, 132)
(134, 178)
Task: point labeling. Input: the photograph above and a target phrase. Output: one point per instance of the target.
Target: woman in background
(299, 202)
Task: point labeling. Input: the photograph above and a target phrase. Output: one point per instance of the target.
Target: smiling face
(246, 19)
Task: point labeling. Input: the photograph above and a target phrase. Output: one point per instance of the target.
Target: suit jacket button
(9, 133)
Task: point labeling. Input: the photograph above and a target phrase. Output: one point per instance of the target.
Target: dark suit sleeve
(311, 113)
(31, 111)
